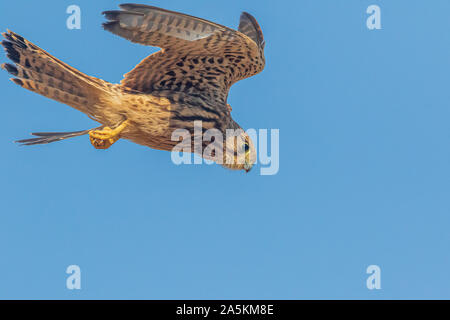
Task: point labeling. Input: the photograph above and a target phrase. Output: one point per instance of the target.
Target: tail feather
(40, 72)
(48, 86)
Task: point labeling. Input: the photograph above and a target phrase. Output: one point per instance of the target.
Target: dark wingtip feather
(32, 141)
(11, 52)
(115, 15)
(48, 137)
(110, 25)
(16, 39)
(247, 17)
(7, 45)
(17, 81)
(124, 5)
(128, 6)
(7, 36)
(111, 15)
(10, 68)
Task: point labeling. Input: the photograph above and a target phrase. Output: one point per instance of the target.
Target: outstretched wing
(158, 27)
(199, 59)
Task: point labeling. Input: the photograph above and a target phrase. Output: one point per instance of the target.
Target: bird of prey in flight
(187, 81)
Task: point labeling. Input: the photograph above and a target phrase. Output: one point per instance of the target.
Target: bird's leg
(106, 137)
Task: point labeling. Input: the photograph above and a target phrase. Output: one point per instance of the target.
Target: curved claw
(106, 137)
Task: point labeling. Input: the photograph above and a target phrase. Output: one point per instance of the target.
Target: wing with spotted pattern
(158, 27)
(200, 58)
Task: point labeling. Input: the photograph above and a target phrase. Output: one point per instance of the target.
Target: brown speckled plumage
(187, 80)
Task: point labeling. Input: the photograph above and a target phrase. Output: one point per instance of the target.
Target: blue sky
(364, 165)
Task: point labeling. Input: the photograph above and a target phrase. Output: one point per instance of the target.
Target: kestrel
(187, 80)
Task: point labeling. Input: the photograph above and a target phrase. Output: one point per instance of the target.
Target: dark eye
(246, 147)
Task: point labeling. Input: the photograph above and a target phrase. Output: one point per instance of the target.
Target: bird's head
(239, 152)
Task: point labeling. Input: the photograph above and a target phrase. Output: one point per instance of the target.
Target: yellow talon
(106, 137)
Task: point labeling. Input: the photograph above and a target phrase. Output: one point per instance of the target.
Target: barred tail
(38, 71)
